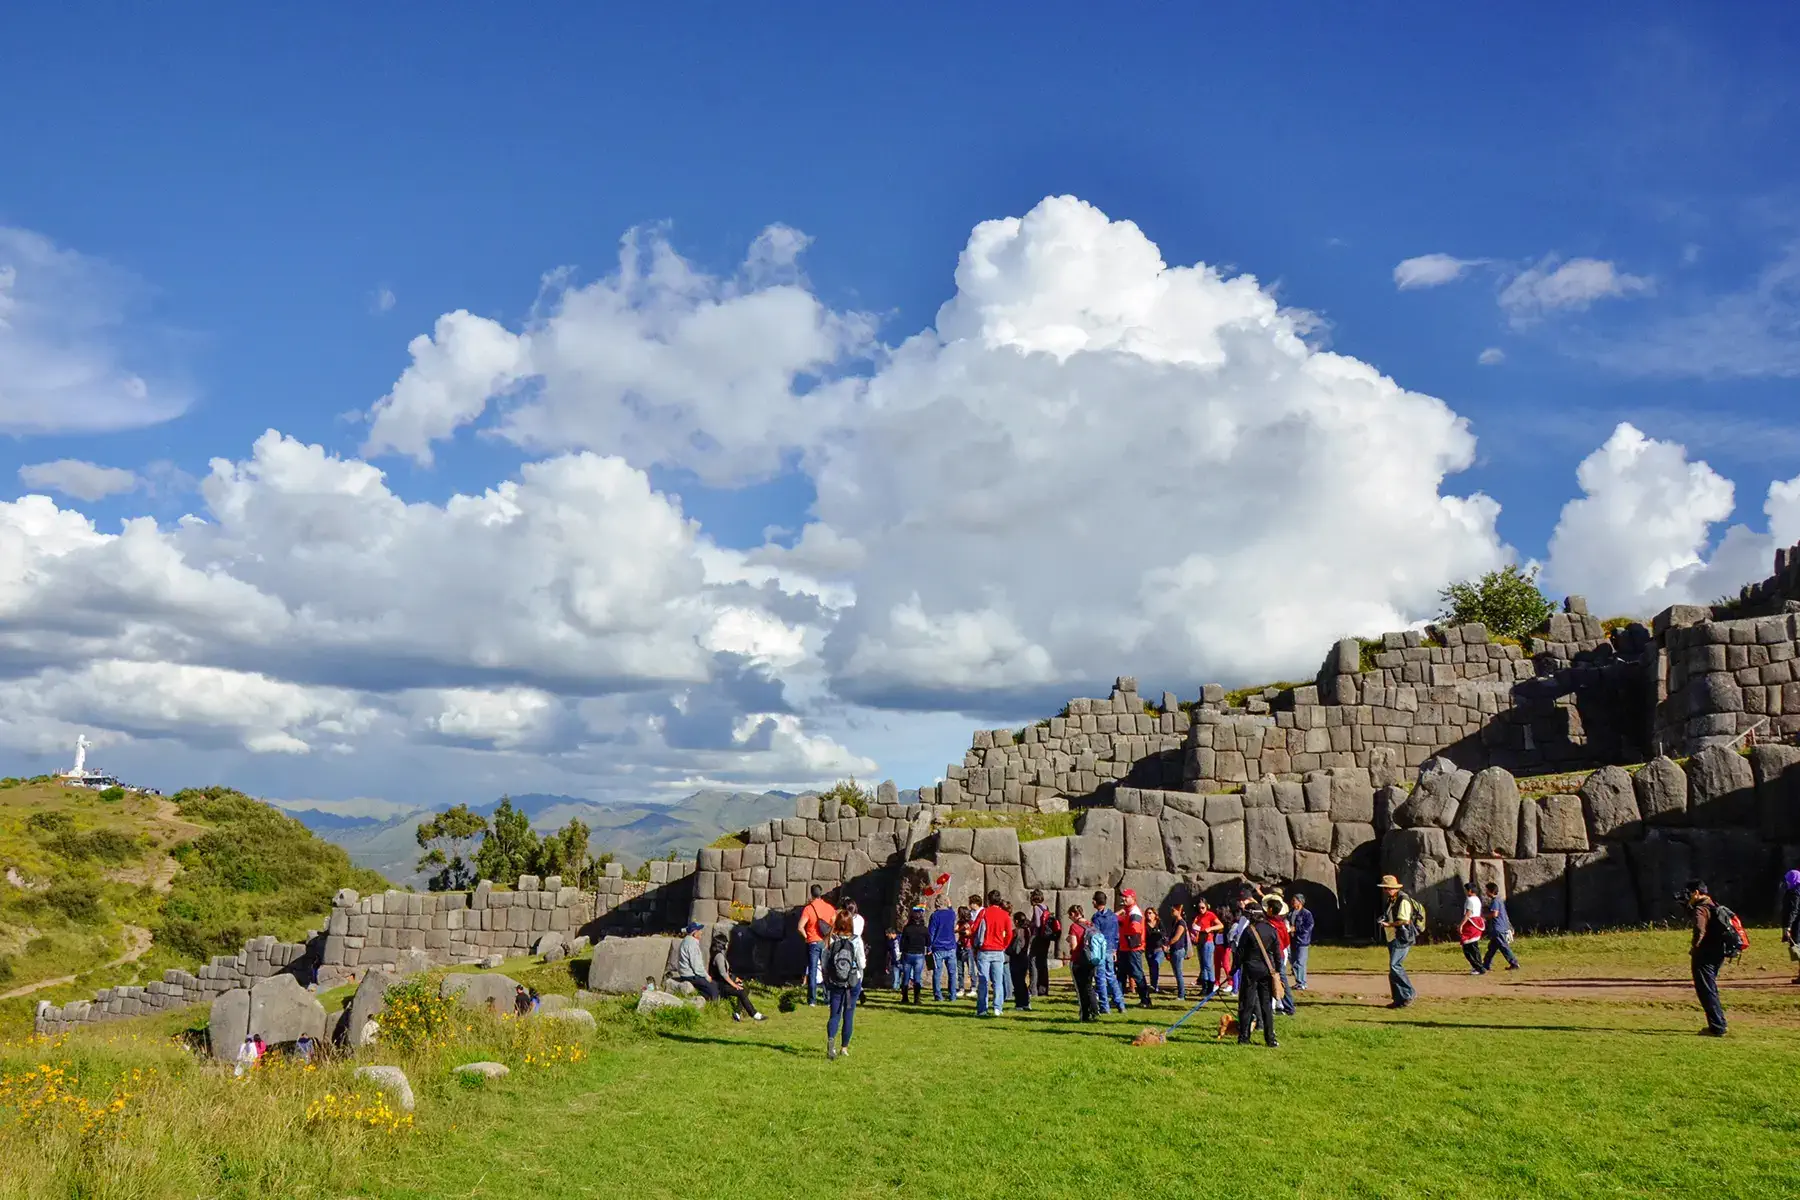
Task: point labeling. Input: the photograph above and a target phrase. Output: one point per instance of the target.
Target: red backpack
(1732, 934)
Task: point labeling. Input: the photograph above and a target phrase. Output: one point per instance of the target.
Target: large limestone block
(1609, 804)
(1223, 809)
(1228, 847)
(277, 1008)
(1776, 770)
(1095, 861)
(1186, 844)
(1143, 843)
(1347, 837)
(1101, 822)
(1721, 788)
(478, 991)
(1310, 831)
(1352, 799)
(228, 1024)
(966, 875)
(1662, 792)
(1009, 881)
(1602, 894)
(1738, 866)
(1420, 859)
(1562, 825)
(1537, 892)
(1155, 889)
(370, 1001)
(993, 847)
(619, 965)
(1045, 863)
(1488, 820)
(1268, 847)
(1436, 798)
(391, 1080)
(1660, 865)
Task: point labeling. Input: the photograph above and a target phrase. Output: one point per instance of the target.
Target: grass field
(1483, 1096)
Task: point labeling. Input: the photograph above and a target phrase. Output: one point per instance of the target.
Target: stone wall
(1079, 756)
(1719, 680)
(412, 930)
(260, 959)
(1768, 596)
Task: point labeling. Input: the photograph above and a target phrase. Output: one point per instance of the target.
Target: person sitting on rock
(730, 985)
(521, 1001)
(690, 962)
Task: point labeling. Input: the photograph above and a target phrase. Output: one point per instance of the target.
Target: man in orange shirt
(815, 927)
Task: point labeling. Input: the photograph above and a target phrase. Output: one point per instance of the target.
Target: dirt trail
(137, 944)
(1373, 987)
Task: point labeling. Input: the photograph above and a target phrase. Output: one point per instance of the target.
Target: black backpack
(840, 963)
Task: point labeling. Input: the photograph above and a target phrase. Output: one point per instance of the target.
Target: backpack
(1731, 931)
(840, 964)
(1093, 946)
(1418, 915)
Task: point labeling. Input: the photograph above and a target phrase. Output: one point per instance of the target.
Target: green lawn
(1485, 1097)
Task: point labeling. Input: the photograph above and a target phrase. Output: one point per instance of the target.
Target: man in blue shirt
(943, 949)
(1302, 923)
(1499, 930)
(1107, 990)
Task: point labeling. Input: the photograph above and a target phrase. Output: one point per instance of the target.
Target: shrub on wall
(1507, 601)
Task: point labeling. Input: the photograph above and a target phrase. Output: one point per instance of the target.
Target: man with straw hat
(1400, 924)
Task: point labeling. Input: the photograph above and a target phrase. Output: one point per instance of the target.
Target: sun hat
(1388, 884)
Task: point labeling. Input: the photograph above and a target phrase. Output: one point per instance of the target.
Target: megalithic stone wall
(260, 959)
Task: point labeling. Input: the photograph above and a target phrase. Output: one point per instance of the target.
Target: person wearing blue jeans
(993, 933)
(943, 950)
(1107, 991)
(1397, 929)
(1177, 949)
(1499, 931)
(1303, 935)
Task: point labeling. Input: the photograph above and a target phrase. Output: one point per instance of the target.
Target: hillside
(632, 832)
(91, 880)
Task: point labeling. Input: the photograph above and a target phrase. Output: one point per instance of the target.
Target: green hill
(107, 886)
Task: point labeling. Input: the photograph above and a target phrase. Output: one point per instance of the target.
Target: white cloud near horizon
(78, 479)
(69, 358)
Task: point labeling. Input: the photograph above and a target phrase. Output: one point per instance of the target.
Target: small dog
(1227, 1027)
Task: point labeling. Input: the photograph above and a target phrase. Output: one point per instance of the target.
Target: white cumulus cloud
(82, 480)
(1572, 285)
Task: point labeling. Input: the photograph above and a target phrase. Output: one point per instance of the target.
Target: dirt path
(1373, 987)
(137, 944)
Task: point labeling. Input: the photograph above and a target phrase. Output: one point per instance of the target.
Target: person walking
(1257, 947)
(845, 960)
(993, 934)
(859, 924)
(1079, 966)
(1790, 918)
(1470, 933)
(729, 985)
(1132, 931)
(816, 922)
(1018, 963)
(1401, 920)
(915, 944)
(1708, 953)
(1179, 939)
(943, 950)
(1106, 976)
(1499, 931)
(1046, 928)
(1303, 923)
(1207, 931)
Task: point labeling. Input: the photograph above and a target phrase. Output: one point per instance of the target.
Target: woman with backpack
(845, 962)
(1079, 964)
(1790, 918)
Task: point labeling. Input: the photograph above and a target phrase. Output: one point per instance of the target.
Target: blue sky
(269, 209)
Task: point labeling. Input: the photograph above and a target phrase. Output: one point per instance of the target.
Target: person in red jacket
(1207, 930)
(1131, 945)
(993, 934)
(1471, 930)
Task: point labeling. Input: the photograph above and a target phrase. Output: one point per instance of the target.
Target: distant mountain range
(632, 832)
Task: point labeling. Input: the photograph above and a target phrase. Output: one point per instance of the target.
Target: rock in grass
(490, 1070)
(393, 1080)
(492, 961)
(651, 1001)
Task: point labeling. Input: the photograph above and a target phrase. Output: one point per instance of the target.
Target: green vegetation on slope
(254, 871)
(1482, 1097)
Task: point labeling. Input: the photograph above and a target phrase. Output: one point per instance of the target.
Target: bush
(848, 791)
(6, 968)
(1507, 601)
(417, 1018)
(49, 822)
(113, 795)
(108, 845)
(75, 902)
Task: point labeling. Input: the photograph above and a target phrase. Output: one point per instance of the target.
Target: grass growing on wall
(1235, 699)
(1031, 826)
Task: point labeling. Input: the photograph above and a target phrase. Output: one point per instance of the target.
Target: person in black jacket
(915, 940)
(1790, 918)
(1018, 961)
(1257, 949)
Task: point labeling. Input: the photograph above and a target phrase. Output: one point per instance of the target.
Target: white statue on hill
(81, 749)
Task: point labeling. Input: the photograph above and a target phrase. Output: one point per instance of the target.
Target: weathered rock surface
(370, 1001)
(620, 965)
(1721, 788)
(479, 991)
(1662, 792)
(277, 1009)
(391, 1080)
(1609, 803)
(1561, 825)
(580, 1018)
(1488, 820)
(488, 1070)
(1045, 863)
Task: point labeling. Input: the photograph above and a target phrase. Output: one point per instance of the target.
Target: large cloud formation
(1092, 462)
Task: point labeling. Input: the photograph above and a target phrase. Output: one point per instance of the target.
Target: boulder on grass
(391, 1080)
(479, 991)
(487, 1070)
(621, 964)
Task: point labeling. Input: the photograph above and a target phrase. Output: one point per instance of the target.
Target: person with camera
(1712, 942)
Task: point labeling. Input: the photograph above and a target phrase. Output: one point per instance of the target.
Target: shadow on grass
(694, 1040)
(1496, 1026)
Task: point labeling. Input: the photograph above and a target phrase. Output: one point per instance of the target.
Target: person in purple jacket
(1301, 919)
(942, 944)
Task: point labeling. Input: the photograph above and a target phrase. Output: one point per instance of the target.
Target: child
(1472, 929)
